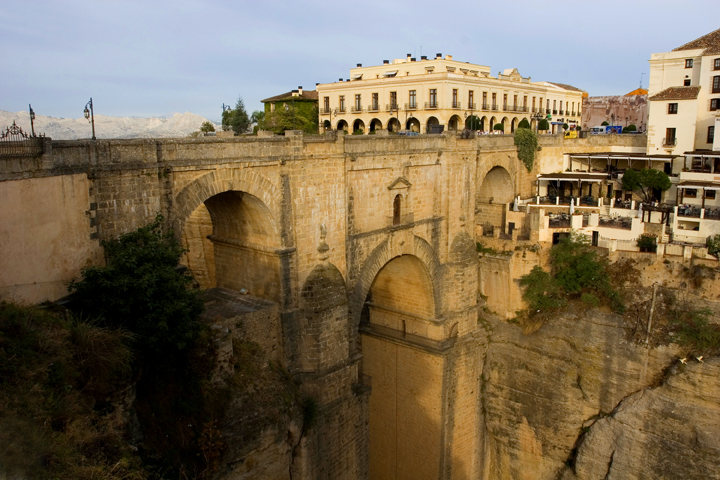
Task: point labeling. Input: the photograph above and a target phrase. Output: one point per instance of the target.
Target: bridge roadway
(366, 244)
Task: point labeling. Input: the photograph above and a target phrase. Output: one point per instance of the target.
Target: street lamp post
(90, 116)
(32, 120)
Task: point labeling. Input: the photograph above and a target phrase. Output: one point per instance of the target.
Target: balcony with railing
(494, 108)
(485, 106)
(547, 110)
(560, 112)
(554, 111)
(391, 107)
(411, 106)
(326, 110)
(356, 109)
(431, 105)
(341, 109)
(373, 107)
(456, 104)
(573, 114)
(669, 142)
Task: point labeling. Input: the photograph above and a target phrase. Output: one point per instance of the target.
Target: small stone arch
(484, 124)
(413, 125)
(393, 125)
(375, 124)
(492, 123)
(430, 122)
(341, 125)
(504, 123)
(358, 126)
(327, 125)
(497, 186)
(454, 123)
(513, 125)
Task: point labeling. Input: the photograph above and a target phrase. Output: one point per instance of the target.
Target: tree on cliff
(236, 119)
(645, 182)
(142, 291)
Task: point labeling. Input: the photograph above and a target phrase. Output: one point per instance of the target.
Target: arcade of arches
(454, 123)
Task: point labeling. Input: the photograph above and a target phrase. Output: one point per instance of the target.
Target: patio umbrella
(640, 212)
(572, 206)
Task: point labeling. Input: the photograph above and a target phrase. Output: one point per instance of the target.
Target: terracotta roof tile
(307, 95)
(710, 44)
(677, 93)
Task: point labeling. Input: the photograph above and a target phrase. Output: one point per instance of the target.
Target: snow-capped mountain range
(170, 126)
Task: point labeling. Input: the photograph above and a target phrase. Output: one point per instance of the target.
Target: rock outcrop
(667, 432)
(542, 390)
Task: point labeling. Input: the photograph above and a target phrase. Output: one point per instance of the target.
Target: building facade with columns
(440, 93)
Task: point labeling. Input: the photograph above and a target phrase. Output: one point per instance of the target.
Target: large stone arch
(219, 181)
(228, 221)
(404, 243)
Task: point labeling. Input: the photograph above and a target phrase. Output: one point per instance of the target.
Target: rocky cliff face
(582, 371)
(666, 432)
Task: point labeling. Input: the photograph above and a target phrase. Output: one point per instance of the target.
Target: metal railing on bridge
(16, 143)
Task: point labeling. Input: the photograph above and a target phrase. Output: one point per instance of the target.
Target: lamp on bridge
(32, 119)
(90, 116)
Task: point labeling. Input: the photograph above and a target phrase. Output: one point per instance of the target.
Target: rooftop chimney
(438, 55)
(300, 90)
(448, 57)
(340, 79)
(424, 57)
(386, 62)
(408, 56)
(359, 65)
(412, 59)
(317, 83)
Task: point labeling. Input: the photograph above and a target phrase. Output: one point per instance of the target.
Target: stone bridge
(366, 245)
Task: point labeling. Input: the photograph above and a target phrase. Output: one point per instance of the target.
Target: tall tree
(644, 181)
(236, 119)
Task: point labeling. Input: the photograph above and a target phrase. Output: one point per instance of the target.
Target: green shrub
(524, 123)
(543, 125)
(713, 244)
(499, 127)
(358, 132)
(577, 272)
(647, 243)
(631, 128)
(604, 124)
(693, 329)
(526, 142)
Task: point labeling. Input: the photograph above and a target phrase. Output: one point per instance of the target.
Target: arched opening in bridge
(483, 124)
(496, 187)
(405, 407)
(473, 123)
(342, 125)
(454, 123)
(492, 123)
(505, 123)
(375, 124)
(397, 209)
(393, 125)
(513, 125)
(358, 127)
(232, 242)
(413, 124)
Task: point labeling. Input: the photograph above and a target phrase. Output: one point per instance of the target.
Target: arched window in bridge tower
(397, 209)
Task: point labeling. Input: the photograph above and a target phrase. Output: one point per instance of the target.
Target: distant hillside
(176, 125)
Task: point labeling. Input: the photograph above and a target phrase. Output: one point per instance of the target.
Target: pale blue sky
(155, 57)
